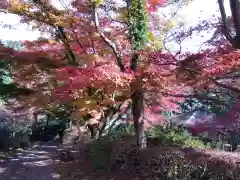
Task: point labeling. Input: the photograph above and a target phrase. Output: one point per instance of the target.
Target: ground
(38, 162)
(41, 163)
(35, 163)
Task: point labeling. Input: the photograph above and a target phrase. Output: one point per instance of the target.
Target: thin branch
(236, 90)
(61, 33)
(227, 76)
(165, 47)
(111, 44)
(195, 95)
(78, 41)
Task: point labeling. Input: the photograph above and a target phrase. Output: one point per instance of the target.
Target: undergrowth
(112, 157)
(99, 152)
(177, 137)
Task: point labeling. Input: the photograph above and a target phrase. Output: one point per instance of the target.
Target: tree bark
(107, 115)
(225, 28)
(138, 106)
(80, 135)
(102, 124)
(138, 114)
(235, 10)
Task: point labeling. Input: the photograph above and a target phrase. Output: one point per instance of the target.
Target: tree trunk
(225, 28)
(138, 105)
(92, 130)
(138, 114)
(79, 130)
(107, 115)
(235, 10)
(102, 124)
(70, 124)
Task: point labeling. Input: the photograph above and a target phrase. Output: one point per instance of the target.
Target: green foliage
(17, 45)
(11, 90)
(100, 151)
(175, 137)
(61, 113)
(138, 25)
(217, 101)
(14, 137)
(190, 104)
(122, 129)
(47, 129)
(223, 100)
(20, 136)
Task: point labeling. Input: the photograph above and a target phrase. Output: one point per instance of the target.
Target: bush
(99, 154)
(119, 158)
(14, 136)
(47, 131)
(5, 138)
(176, 137)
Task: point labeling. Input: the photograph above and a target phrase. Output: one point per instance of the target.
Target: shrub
(47, 130)
(175, 136)
(99, 154)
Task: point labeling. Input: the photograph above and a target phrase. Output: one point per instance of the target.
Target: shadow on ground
(36, 163)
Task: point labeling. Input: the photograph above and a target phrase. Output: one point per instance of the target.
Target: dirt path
(32, 164)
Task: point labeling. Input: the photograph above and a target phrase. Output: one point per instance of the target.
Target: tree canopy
(102, 54)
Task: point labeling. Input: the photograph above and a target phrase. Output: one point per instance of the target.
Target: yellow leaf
(95, 36)
(154, 43)
(86, 102)
(170, 25)
(122, 15)
(151, 36)
(97, 2)
(51, 41)
(104, 51)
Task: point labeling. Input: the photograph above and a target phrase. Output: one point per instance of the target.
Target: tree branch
(195, 95)
(236, 90)
(111, 44)
(60, 32)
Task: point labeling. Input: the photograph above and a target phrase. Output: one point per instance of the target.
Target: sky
(190, 15)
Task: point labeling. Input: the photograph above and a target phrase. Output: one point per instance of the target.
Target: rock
(227, 147)
(238, 148)
(66, 156)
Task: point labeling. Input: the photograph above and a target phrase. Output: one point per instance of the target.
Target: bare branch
(236, 90)
(110, 43)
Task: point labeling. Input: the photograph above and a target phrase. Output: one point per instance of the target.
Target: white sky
(191, 14)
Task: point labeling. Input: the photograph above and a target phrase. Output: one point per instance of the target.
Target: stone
(238, 148)
(227, 147)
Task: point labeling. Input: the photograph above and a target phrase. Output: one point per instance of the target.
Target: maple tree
(225, 76)
(94, 62)
(99, 84)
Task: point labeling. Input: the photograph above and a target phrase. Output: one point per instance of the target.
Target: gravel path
(32, 164)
